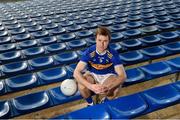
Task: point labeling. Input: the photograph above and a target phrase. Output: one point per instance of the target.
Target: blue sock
(89, 100)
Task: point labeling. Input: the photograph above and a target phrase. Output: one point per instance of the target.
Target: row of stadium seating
(45, 99)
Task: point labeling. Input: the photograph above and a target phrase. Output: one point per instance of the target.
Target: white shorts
(100, 78)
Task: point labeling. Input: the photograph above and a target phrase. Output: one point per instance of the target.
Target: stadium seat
(121, 108)
(172, 47)
(160, 13)
(50, 26)
(17, 31)
(155, 70)
(85, 33)
(21, 82)
(47, 40)
(174, 63)
(80, 21)
(120, 20)
(165, 26)
(77, 44)
(44, 21)
(116, 37)
(154, 52)
(105, 22)
(57, 31)
(91, 40)
(39, 34)
(134, 17)
(66, 57)
(108, 17)
(66, 37)
(27, 44)
(132, 57)
(33, 51)
(2, 28)
(5, 40)
(66, 23)
(13, 26)
(74, 28)
(90, 25)
(21, 37)
(131, 44)
(95, 19)
(134, 75)
(151, 40)
(146, 16)
(5, 110)
(116, 46)
(70, 69)
(52, 75)
(117, 27)
(34, 28)
(59, 98)
(162, 19)
(146, 22)
(149, 29)
(29, 24)
(177, 85)
(14, 68)
(132, 25)
(41, 62)
(160, 97)
(56, 47)
(168, 36)
(132, 33)
(2, 88)
(10, 56)
(175, 16)
(30, 102)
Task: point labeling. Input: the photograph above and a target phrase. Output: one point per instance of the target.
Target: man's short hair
(103, 31)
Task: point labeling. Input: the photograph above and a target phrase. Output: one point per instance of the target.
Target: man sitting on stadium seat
(100, 69)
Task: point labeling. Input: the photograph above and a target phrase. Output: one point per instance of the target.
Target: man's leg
(113, 92)
(85, 92)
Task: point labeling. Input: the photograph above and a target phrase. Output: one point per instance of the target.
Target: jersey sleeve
(116, 59)
(85, 56)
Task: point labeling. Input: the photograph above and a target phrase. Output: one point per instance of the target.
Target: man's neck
(101, 52)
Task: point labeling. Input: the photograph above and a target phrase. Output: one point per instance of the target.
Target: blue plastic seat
(132, 57)
(10, 56)
(2, 28)
(28, 43)
(90, 25)
(95, 19)
(21, 37)
(17, 31)
(116, 46)
(173, 11)
(175, 16)
(21, 82)
(77, 44)
(70, 69)
(14, 68)
(117, 27)
(2, 88)
(39, 34)
(172, 47)
(57, 31)
(50, 26)
(52, 75)
(160, 13)
(56, 47)
(147, 16)
(165, 26)
(155, 70)
(108, 17)
(38, 63)
(81, 21)
(132, 25)
(34, 28)
(66, 23)
(47, 40)
(91, 40)
(44, 21)
(121, 108)
(121, 15)
(30, 102)
(154, 52)
(66, 37)
(161, 97)
(116, 37)
(3, 33)
(5, 110)
(169, 36)
(74, 28)
(120, 20)
(132, 33)
(134, 75)
(134, 17)
(5, 40)
(149, 29)
(162, 19)
(177, 85)
(131, 44)
(13, 26)
(85, 33)
(149, 40)
(29, 24)
(7, 47)
(66, 57)
(146, 22)
(59, 98)
(33, 51)
(105, 23)
(174, 63)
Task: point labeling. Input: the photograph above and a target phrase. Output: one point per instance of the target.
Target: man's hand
(98, 89)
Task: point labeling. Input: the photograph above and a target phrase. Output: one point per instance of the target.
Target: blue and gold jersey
(101, 64)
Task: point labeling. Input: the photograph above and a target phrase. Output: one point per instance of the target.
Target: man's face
(102, 43)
